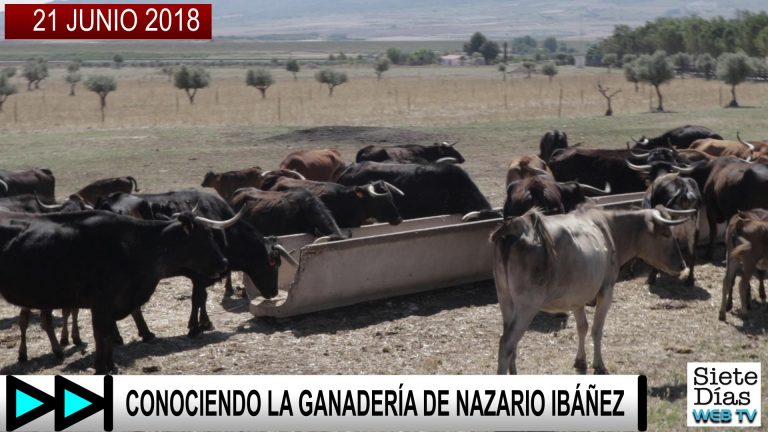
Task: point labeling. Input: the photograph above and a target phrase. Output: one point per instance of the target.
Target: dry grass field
(454, 331)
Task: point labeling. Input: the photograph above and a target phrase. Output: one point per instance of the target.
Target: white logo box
(724, 395)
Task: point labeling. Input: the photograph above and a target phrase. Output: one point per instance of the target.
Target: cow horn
(372, 191)
(469, 216)
(392, 188)
(5, 186)
(662, 220)
(265, 173)
(220, 225)
(286, 254)
(322, 240)
(298, 174)
(683, 170)
(639, 168)
(541, 171)
(637, 154)
(687, 212)
(751, 147)
(447, 160)
(56, 207)
(196, 207)
(595, 190)
(452, 145)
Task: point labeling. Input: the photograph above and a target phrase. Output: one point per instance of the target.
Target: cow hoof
(23, 358)
(78, 342)
(194, 333)
(721, 316)
(229, 292)
(689, 282)
(206, 326)
(149, 337)
(580, 366)
(59, 355)
(601, 370)
(729, 306)
(118, 340)
(64, 342)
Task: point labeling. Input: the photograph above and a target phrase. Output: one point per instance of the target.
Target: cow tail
(135, 184)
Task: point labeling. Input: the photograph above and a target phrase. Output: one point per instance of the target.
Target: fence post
(560, 104)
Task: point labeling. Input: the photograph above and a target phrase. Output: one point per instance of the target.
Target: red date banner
(108, 21)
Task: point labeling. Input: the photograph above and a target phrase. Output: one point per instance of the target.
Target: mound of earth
(359, 134)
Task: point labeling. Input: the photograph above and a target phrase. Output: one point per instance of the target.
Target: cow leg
(604, 298)
(76, 328)
(23, 325)
(513, 332)
(726, 302)
(64, 341)
(761, 276)
(745, 289)
(582, 326)
(102, 334)
(652, 276)
(691, 262)
(198, 325)
(141, 325)
(228, 289)
(712, 222)
(46, 322)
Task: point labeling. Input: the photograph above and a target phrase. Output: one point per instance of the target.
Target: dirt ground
(652, 331)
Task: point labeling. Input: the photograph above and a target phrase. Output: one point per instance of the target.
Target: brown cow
(316, 164)
(104, 187)
(227, 183)
(747, 242)
(718, 148)
(521, 167)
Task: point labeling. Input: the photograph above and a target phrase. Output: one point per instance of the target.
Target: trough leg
(726, 303)
(141, 325)
(46, 322)
(582, 326)
(513, 332)
(604, 299)
(23, 324)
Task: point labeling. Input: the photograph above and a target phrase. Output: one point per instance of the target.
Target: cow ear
(360, 193)
(649, 223)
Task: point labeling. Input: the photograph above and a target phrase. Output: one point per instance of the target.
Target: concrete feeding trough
(380, 261)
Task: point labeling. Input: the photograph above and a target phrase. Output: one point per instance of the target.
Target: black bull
(429, 190)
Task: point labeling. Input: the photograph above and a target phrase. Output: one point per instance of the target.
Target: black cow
(38, 181)
(32, 204)
(550, 142)
(680, 138)
(244, 246)
(101, 261)
(410, 153)
(596, 167)
(429, 190)
(350, 206)
(547, 195)
(291, 212)
(680, 195)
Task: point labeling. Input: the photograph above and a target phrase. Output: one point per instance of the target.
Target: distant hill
(443, 19)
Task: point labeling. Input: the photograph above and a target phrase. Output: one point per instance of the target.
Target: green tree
(550, 44)
(293, 67)
(381, 66)
(396, 56)
(610, 60)
(72, 78)
(530, 67)
(118, 61)
(655, 70)
(7, 88)
(8, 72)
(490, 50)
(475, 42)
(35, 70)
(524, 44)
(550, 70)
(102, 85)
(503, 69)
(331, 78)
(422, 57)
(760, 68)
(706, 64)
(261, 79)
(734, 69)
(682, 62)
(630, 72)
(191, 79)
(761, 42)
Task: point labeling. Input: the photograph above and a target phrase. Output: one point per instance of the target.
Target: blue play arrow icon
(24, 403)
(75, 403)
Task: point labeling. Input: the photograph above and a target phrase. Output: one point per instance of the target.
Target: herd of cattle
(107, 247)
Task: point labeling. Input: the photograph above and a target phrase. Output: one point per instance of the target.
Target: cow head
(189, 244)
(210, 180)
(540, 192)
(552, 141)
(656, 243)
(445, 152)
(378, 202)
